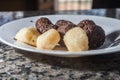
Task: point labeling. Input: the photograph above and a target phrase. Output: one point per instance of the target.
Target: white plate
(8, 31)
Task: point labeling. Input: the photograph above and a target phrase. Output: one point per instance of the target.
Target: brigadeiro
(95, 33)
(63, 27)
(44, 24)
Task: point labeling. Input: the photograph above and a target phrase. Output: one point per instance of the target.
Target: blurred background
(97, 7)
(13, 5)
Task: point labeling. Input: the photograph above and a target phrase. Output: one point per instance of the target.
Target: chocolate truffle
(95, 33)
(86, 22)
(44, 24)
(63, 27)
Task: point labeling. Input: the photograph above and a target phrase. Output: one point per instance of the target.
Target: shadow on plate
(111, 40)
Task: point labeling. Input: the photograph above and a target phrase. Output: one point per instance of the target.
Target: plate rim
(60, 53)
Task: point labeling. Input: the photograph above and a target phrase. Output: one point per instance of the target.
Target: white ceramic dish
(8, 31)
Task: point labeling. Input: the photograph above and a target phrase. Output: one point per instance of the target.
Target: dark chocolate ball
(63, 27)
(86, 22)
(95, 33)
(44, 24)
(64, 23)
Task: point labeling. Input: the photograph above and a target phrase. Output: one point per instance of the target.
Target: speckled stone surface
(19, 65)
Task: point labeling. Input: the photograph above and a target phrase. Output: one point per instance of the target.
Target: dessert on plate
(46, 35)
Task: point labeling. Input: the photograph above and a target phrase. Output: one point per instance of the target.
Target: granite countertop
(18, 65)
